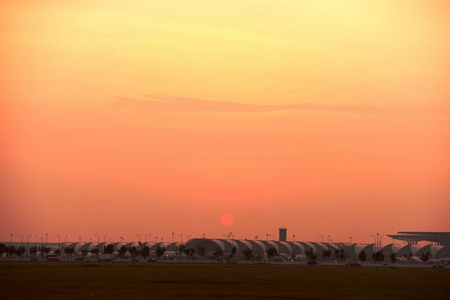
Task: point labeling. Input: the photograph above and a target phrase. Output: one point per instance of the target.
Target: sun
(227, 220)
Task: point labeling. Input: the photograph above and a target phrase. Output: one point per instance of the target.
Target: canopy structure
(438, 249)
(413, 237)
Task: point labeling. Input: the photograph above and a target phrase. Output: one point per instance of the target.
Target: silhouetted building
(413, 237)
(282, 234)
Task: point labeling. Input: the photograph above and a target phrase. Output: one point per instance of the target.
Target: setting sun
(227, 220)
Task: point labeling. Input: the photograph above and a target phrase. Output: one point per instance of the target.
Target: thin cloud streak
(171, 104)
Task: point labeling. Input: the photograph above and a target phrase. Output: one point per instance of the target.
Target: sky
(153, 117)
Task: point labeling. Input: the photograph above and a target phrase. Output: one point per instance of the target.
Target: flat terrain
(203, 281)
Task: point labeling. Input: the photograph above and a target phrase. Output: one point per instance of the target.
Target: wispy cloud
(167, 104)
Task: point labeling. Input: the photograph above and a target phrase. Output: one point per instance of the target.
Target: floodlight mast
(145, 238)
(330, 235)
(59, 238)
(322, 237)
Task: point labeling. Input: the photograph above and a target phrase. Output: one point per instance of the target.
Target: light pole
(46, 238)
(156, 238)
(189, 235)
(330, 235)
(104, 237)
(435, 251)
(21, 238)
(28, 250)
(180, 235)
(256, 237)
(145, 238)
(273, 237)
(122, 239)
(98, 237)
(293, 237)
(139, 237)
(42, 239)
(267, 236)
(227, 235)
(377, 239)
(382, 236)
(374, 242)
(59, 239)
(11, 237)
(79, 239)
(350, 240)
(322, 237)
(65, 238)
(173, 237)
(203, 235)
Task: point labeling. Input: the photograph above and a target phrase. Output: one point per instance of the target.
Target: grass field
(203, 281)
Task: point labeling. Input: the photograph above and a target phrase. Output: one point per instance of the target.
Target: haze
(125, 117)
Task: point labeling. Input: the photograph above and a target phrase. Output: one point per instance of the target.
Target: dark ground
(203, 281)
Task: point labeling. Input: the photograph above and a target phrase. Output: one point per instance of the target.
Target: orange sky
(125, 117)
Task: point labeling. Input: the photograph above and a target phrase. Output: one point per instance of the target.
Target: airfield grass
(203, 281)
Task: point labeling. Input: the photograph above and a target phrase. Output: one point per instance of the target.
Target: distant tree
(192, 252)
(69, 251)
(378, 256)
(189, 252)
(362, 256)
(84, 252)
(218, 252)
(133, 251)
(310, 254)
(271, 253)
(160, 251)
(94, 251)
(180, 250)
(248, 253)
(122, 251)
(108, 249)
(340, 254)
(425, 256)
(201, 251)
(20, 251)
(393, 257)
(326, 254)
(145, 252)
(3, 249)
(233, 251)
(409, 256)
(58, 251)
(41, 250)
(10, 251)
(33, 250)
(44, 250)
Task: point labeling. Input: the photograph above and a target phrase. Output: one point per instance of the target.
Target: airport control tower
(282, 234)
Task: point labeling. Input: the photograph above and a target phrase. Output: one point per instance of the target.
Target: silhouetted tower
(283, 234)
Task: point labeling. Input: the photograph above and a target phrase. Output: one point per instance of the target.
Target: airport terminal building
(406, 248)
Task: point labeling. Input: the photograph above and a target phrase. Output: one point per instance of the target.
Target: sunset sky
(153, 117)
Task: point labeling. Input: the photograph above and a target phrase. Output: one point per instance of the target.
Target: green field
(203, 281)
